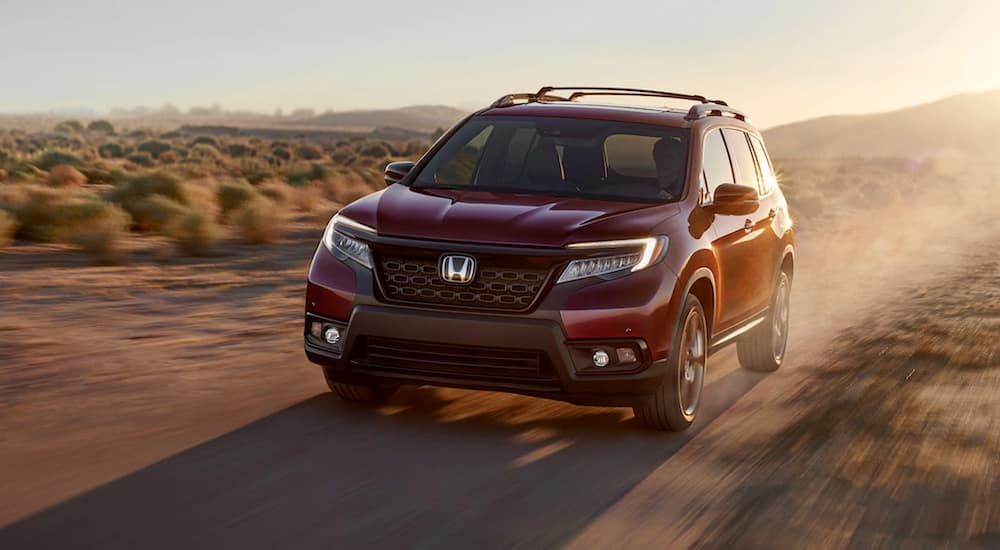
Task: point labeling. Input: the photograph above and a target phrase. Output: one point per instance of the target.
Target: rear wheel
(360, 393)
(674, 406)
(763, 349)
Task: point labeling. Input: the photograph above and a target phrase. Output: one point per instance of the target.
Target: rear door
(772, 207)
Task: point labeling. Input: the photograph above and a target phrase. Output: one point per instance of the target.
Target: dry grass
(156, 213)
(277, 190)
(194, 233)
(307, 197)
(260, 221)
(64, 175)
(233, 194)
(8, 226)
(101, 238)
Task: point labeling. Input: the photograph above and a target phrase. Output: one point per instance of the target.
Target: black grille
(474, 363)
(418, 280)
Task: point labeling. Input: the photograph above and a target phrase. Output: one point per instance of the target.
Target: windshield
(564, 157)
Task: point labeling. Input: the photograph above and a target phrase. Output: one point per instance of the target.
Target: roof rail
(582, 91)
(511, 99)
(715, 108)
(705, 107)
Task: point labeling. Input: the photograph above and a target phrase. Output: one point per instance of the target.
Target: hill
(966, 123)
(417, 117)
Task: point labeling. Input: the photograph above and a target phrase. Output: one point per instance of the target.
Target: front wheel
(675, 404)
(763, 349)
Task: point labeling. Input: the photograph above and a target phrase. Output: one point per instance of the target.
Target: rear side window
(717, 169)
(739, 151)
(768, 179)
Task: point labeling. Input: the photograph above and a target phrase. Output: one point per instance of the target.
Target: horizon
(324, 57)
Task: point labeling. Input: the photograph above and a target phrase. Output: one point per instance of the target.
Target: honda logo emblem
(458, 269)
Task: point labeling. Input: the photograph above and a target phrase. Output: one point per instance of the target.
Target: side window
(715, 161)
(766, 172)
(460, 169)
(739, 150)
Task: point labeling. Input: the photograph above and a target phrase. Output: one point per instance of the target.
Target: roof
(616, 113)
(545, 103)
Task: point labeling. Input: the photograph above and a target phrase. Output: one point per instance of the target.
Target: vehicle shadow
(322, 474)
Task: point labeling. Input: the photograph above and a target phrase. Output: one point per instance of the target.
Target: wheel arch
(787, 264)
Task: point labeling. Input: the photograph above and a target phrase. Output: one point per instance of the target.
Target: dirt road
(167, 404)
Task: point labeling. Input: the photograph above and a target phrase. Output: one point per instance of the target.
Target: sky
(780, 61)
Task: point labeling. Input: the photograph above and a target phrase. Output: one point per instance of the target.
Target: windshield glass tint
(564, 157)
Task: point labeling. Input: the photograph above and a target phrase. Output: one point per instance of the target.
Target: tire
(763, 349)
(360, 393)
(674, 406)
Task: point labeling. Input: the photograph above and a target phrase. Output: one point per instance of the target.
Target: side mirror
(735, 199)
(394, 171)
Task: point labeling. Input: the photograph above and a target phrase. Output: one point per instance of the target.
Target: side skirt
(729, 336)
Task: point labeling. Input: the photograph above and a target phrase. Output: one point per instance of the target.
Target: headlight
(645, 252)
(355, 249)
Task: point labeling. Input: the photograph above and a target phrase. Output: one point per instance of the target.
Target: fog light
(601, 358)
(316, 329)
(626, 355)
(332, 336)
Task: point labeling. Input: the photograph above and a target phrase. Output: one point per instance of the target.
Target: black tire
(763, 348)
(674, 406)
(360, 393)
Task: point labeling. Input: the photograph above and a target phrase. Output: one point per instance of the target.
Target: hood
(504, 218)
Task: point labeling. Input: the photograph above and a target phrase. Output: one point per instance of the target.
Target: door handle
(747, 226)
(771, 214)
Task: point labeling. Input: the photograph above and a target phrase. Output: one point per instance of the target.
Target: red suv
(596, 254)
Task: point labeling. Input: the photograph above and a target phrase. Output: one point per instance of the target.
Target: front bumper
(569, 322)
(562, 373)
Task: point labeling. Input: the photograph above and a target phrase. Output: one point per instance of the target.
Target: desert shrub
(276, 190)
(154, 147)
(309, 151)
(97, 174)
(205, 152)
(69, 126)
(49, 159)
(341, 156)
(99, 231)
(37, 214)
(155, 213)
(260, 221)
(111, 151)
(134, 188)
(137, 134)
(102, 126)
(375, 150)
(238, 150)
(8, 226)
(205, 140)
(27, 172)
(299, 174)
(173, 134)
(64, 175)
(281, 153)
(168, 157)
(233, 194)
(142, 159)
(194, 233)
(256, 177)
